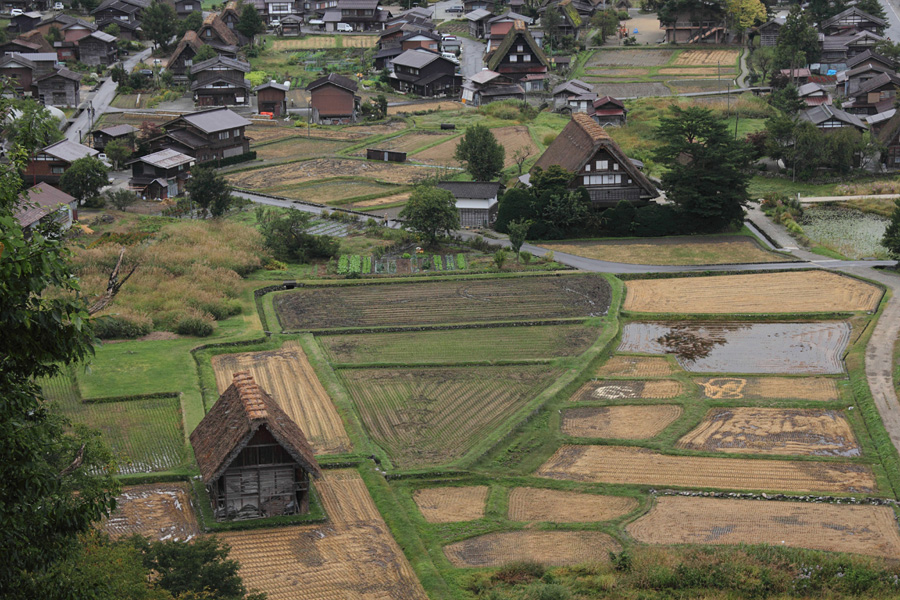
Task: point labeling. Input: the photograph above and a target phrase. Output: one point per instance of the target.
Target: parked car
(275, 23)
(344, 27)
(316, 22)
(15, 12)
(449, 38)
(59, 6)
(455, 9)
(451, 57)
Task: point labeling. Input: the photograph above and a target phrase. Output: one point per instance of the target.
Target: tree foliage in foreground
(481, 153)
(891, 239)
(284, 232)
(84, 178)
(430, 212)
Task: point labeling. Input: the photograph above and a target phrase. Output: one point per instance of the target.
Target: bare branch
(113, 286)
(79, 459)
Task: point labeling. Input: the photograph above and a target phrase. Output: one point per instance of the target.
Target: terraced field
(452, 504)
(619, 422)
(552, 548)
(557, 506)
(618, 390)
(799, 388)
(635, 366)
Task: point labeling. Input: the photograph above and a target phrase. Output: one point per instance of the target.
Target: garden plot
(709, 58)
(425, 417)
(556, 506)
(795, 388)
(352, 556)
(636, 366)
(619, 422)
(297, 148)
(329, 228)
(693, 86)
(705, 71)
(437, 302)
(460, 345)
(512, 138)
(287, 376)
(593, 391)
(786, 292)
(316, 42)
(551, 548)
(452, 504)
(158, 511)
(640, 466)
(745, 430)
(284, 175)
(868, 530)
(620, 73)
(377, 203)
(789, 348)
(630, 58)
(632, 90)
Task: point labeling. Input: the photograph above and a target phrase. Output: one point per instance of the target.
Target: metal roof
(416, 59)
(117, 130)
(166, 159)
(217, 119)
(69, 151)
(478, 14)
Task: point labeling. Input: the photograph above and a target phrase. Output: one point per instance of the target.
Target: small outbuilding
(104, 135)
(43, 203)
(160, 175)
(477, 202)
(271, 97)
(254, 460)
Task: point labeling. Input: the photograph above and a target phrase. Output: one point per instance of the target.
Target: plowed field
(806, 291)
(424, 417)
(619, 422)
(635, 366)
(556, 506)
(324, 168)
(511, 138)
(618, 464)
(159, 511)
(452, 504)
(707, 58)
(773, 431)
(799, 388)
(617, 390)
(430, 303)
(859, 529)
(790, 348)
(552, 548)
(352, 556)
(287, 376)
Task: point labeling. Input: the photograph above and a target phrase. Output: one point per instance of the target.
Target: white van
(451, 57)
(344, 27)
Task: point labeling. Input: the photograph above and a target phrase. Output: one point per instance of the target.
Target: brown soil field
(637, 58)
(707, 57)
(671, 251)
(556, 506)
(452, 504)
(353, 555)
(422, 106)
(353, 132)
(636, 366)
(295, 148)
(694, 85)
(868, 530)
(159, 511)
(619, 464)
(410, 142)
(714, 347)
(287, 376)
(386, 200)
(707, 71)
(622, 73)
(786, 292)
(511, 138)
(618, 390)
(551, 548)
(798, 388)
(315, 42)
(324, 168)
(747, 430)
(332, 191)
(429, 303)
(272, 131)
(619, 422)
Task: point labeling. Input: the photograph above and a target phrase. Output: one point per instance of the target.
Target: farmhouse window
(513, 58)
(57, 170)
(526, 58)
(224, 135)
(602, 179)
(188, 62)
(209, 33)
(587, 168)
(188, 7)
(236, 133)
(520, 48)
(615, 166)
(602, 165)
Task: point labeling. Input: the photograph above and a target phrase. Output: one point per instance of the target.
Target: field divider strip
(440, 327)
(432, 364)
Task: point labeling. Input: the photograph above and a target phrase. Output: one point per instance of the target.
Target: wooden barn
(254, 460)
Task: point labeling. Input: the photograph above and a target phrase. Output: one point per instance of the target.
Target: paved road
(100, 102)
(472, 57)
(440, 10)
(893, 18)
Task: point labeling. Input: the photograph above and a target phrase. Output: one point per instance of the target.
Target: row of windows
(603, 180)
(602, 165)
(226, 134)
(515, 58)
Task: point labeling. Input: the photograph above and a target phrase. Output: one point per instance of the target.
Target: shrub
(525, 256)
(196, 324)
(500, 258)
(545, 591)
(548, 138)
(123, 325)
(94, 202)
(519, 572)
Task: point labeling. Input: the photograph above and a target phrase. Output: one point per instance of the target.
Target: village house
(24, 22)
(185, 7)
(390, 37)
(837, 49)
(828, 117)
(290, 26)
(853, 20)
(478, 22)
(42, 63)
(598, 164)
(182, 58)
(59, 88)
(488, 86)
(609, 111)
(124, 133)
(18, 46)
(520, 58)
(850, 80)
(19, 71)
(220, 81)
(574, 95)
(126, 14)
(36, 38)
(42, 203)
(160, 175)
(361, 15)
(473, 5)
(477, 202)
(769, 31)
(271, 97)
(889, 137)
(216, 34)
(333, 100)
(66, 51)
(254, 460)
(51, 162)
(697, 26)
(98, 48)
(206, 135)
(571, 20)
(500, 25)
(425, 73)
(866, 99)
(231, 16)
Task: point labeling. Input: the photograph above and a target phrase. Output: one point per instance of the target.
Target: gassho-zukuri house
(254, 460)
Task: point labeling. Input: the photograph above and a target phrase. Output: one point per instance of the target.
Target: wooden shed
(385, 155)
(254, 460)
(271, 97)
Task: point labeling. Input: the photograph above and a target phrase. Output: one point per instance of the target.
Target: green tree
(798, 41)
(159, 23)
(606, 22)
(500, 258)
(518, 231)
(889, 49)
(481, 153)
(745, 14)
(205, 52)
(192, 22)
(763, 61)
(707, 168)
(121, 199)
(872, 7)
(33, 129)
(552, 22)
(209, 191)
(112, 29)
(515, 205)
(54, 34)
(284, 232)
(84, 178)
(250, 23)
(787, 100)
(118, 152)
(891, 238)
(429, 212)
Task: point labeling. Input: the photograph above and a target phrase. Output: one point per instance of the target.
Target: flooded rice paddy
(851, 233)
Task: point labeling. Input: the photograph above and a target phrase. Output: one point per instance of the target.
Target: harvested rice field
(593, 391)
(744, 430)
(333, 191)
(431, 416)
(709, 58)
(777, 348)
(431, 303)
(551, 548)
(797, 388)
(460, 345)
(512, 138)
(705, 71)
(353, 555)
(630, 90)
(443, 105)
(287, 376)
(620, 73)
(557, 506)
(636, 366)
(357, 132)
(671, 251)
(410, 142)
(636, 58)
(378, 202)
(620, 464)
(868, 530)
(296, 148)
(619, 422)
(786, 292)
(283, 175)
(158, 511)
(452, 504)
